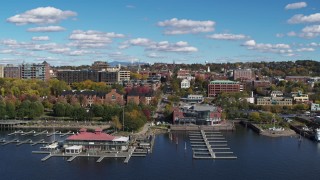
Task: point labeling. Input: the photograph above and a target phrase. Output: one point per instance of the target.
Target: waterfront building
(218, 86)
(96, 141)
(242, 74)
(197, 114)
(109, 77)
(11, 71)
(268, 101)
(185, 84)
(35, 71)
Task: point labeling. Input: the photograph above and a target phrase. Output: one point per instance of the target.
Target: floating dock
(209, 145)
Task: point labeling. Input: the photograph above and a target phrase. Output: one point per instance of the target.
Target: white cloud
(305, 50)
(40, 38)
(92, 39)
(311, 29)
(155, 55)
(313, 44)
(164, 46)
(227, 36)
(291, 34)
(185, 26)
(79, 52)
(122, 57)
(249, 43)
(266, 47)
(300, 18)
(41, 15)
(297, 5)
(46, 29)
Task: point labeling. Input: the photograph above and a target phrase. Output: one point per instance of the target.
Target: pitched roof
(89, 136)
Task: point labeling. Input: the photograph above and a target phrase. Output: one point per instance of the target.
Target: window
(113, 97)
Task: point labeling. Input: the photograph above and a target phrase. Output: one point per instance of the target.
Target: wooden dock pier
(40, 133)
(41, 141)
(30, 132)
(15, 132)
(11, 141)
(24, 142)
(209, 145)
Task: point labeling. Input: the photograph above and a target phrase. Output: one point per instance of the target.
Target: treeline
(53, 87)
(16, 109)
(135, 116)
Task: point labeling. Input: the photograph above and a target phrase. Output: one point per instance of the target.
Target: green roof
(223, 82)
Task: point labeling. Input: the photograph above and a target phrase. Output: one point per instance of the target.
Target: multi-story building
(1, 71)
(219, 86)
(124, 75)
(193, 98)
(261, 83)
(315, 107)
(35, 71)
(276, 93)
(109, 77)
(71, 76)
(242, 74)
(11, 71)
(185, 84)
(268, 101)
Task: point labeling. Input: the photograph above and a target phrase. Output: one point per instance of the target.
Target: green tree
(59, 109)
(11, 110)
(255, 116)
(116, 122)
(97, 110)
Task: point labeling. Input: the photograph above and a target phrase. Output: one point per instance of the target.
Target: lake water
(259, 157)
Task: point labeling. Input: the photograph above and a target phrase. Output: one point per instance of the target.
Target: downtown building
(242, 74)
(218, 86)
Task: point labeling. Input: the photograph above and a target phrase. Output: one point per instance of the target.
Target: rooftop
(223, 82)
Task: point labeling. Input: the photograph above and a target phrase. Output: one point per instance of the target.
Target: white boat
(50, 147)
(317, 135)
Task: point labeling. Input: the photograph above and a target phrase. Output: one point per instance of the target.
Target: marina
(209, 145)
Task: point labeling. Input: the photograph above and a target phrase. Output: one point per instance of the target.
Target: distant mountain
(116, 63)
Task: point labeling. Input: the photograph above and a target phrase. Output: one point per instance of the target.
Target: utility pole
(123, 118)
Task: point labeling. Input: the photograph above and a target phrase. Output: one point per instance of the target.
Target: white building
(185, 84)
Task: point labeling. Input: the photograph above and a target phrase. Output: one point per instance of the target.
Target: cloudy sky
(77, 32)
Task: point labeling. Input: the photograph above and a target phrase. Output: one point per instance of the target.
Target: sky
(79, 32)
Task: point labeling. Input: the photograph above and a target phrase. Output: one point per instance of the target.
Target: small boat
(50, 147)
(317, 134)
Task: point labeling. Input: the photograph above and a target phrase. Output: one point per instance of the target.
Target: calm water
(258, 158)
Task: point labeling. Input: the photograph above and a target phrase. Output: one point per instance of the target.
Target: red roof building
(98, 140)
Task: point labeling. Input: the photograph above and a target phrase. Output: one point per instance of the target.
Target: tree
(59, 109)
(97, 110)
(116, 122)
(255, 116)
(3, 111)
(11, 110)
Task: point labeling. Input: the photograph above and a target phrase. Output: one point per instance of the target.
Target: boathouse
(97, 141)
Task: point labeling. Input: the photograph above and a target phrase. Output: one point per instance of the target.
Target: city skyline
(80, 32)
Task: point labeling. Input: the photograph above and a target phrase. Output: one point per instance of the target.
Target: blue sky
(77, 32)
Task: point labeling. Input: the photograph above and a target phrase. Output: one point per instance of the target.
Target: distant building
(261, 83)
(299, 97)
(183, 74)
(303, 79)
(185, 84)
(124, 75)
(192, 98)
(99, 65)
(11, 71)
(268, 101)
(242, 74)
(219, 86)
(197, 114)
(72, 76)
(109, 77)
(35, 71)
(276, 94)
(1, 71)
